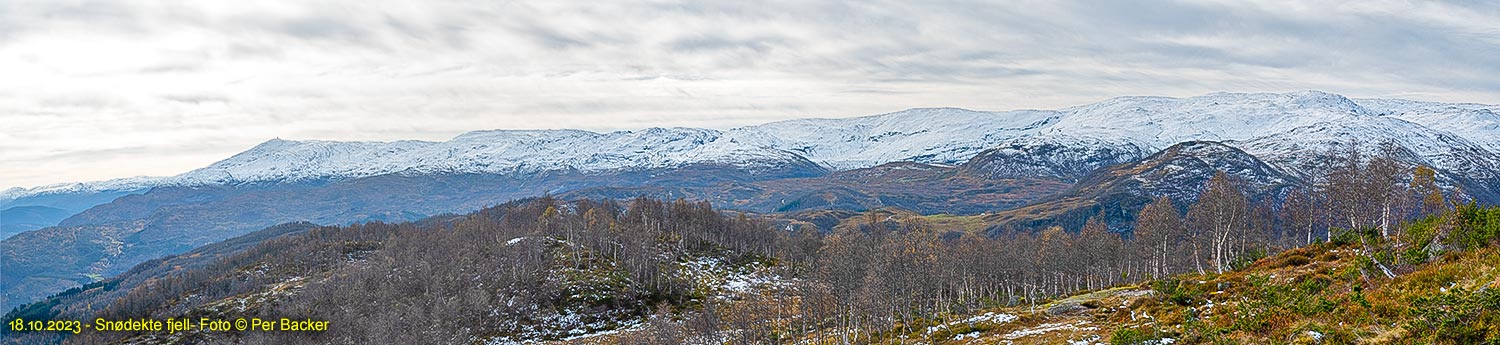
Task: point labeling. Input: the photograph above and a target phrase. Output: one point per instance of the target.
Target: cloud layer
(101, 89)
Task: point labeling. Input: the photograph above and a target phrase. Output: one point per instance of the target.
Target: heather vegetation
(1338, 292)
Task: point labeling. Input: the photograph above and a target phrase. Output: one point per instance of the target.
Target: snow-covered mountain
(1279, 127)
(78, 196)
(946, 136)
(938, 136)
(127, 183)
(491, 152)
(1477, 122)
(1289, 130)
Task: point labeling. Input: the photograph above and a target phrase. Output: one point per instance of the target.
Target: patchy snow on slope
(1476, 122)
(725, 281)
(1160, 121)
(497, 152)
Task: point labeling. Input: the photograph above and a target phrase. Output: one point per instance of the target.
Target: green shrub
(1295, 260)
(1384, 256)
(1315, 283)
(1478, 226)
(1364, 262)
(1415, 255)
(1421, 232)
(1129, 336)
(1344, 237)
(1457, 316)
(1359, 298)
(1249, 257)
(1175, 292)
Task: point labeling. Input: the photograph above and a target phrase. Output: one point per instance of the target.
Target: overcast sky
(96, 90)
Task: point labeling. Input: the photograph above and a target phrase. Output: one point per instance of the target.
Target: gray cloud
(321, 28)
(196, 99)
(555, 39)
(101, 89)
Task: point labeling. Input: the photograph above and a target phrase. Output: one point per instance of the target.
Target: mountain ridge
(947, 136)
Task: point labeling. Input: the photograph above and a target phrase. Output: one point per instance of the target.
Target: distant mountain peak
(519, 133)
(1313, 98)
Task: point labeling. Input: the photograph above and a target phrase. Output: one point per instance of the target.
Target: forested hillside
(669, 272)
(540, 269)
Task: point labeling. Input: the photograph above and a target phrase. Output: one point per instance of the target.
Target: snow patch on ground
(625, 327)
(989, 317)
(730, 281)
(1048, 328)
(992, 317)
(577, 330)
(969, 335)
(1085, 341)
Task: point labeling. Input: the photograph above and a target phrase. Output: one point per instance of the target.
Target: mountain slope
(937, 136)
(946, 136)
(19, 219)
(78, 196)
(1023, 159)
(1459, 162)
(1119, 192)
(1477, 122)
(920, 187)
(26, 209)
(486, 152)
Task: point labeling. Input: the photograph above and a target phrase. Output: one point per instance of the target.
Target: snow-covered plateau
(1280, 128)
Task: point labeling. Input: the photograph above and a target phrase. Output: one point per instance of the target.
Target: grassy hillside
(1444, 290)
